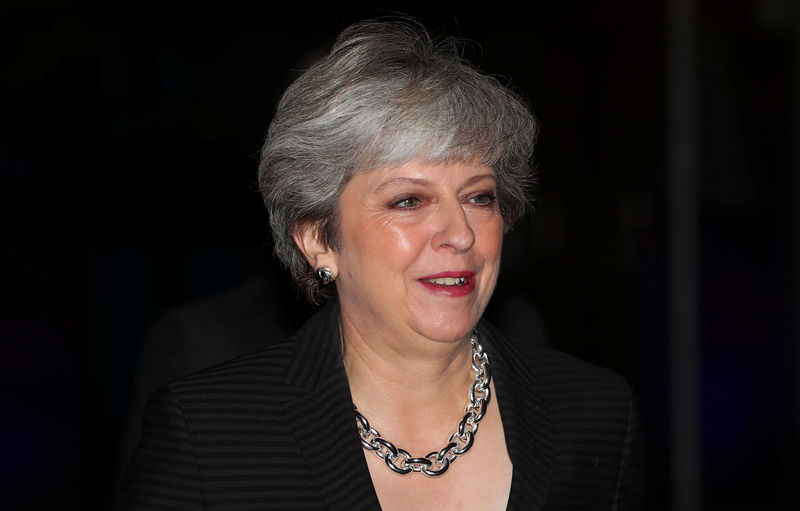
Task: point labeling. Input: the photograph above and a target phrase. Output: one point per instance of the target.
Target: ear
(309, 240)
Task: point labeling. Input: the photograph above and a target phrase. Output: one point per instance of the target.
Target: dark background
(128, 155)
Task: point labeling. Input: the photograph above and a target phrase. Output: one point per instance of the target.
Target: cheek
(491, 239)
(404, 237)
(382, 243)
(401, 239)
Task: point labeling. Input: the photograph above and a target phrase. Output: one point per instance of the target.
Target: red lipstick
(450, 290)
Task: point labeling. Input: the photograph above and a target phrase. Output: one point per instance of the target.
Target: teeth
(449, 281)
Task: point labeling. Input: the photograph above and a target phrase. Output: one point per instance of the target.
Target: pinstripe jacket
(275, 430)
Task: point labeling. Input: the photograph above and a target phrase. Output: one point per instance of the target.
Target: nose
(453, 229)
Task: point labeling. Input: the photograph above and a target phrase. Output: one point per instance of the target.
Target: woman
(391, 170)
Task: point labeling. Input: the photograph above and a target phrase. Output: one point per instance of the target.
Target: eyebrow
(424, 182)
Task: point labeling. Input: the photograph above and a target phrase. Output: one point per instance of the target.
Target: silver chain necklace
(436, 463)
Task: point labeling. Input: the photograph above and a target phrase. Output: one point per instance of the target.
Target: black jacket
(275, 430)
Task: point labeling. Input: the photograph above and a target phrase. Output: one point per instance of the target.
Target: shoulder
(260, 373)
(241, 400)
(582, 394)
(589, 403)
(218, 400)
(552, 371)
(272, 374)
(221, 434)
(575, 393)
(561, 372)
(588, 424)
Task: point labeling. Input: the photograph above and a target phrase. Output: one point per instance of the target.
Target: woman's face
(419, 249)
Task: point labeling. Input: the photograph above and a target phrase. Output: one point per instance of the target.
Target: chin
(448, 329)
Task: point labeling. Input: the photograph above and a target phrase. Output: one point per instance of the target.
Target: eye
(483, 199)
(406, 203)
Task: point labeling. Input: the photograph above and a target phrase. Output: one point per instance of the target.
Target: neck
(412, 389)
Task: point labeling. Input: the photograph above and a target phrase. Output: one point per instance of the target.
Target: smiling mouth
(448, 281)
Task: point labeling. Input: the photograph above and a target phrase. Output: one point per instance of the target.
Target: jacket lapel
(527, 421)
(320, 414)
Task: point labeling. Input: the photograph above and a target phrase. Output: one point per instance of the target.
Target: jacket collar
(317, 352)
(320, 414)
(527, 420)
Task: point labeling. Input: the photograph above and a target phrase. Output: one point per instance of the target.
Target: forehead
(424, 174)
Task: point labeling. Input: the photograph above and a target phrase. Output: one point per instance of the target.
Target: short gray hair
(386, 94)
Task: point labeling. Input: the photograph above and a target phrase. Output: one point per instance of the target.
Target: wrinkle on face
(385, 250)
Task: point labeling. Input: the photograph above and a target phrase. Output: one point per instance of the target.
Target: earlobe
(309, 240)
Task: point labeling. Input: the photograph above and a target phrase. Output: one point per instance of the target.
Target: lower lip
(450, 291)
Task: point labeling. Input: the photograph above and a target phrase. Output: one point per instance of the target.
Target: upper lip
(450, 274)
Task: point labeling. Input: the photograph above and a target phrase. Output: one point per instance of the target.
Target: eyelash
(488, 199)
(398, 204)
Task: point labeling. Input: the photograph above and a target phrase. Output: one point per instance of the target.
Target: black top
(275, 430)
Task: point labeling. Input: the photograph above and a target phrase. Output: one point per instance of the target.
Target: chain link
(436, 463)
